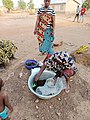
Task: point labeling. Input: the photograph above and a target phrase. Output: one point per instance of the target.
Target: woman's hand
(35, 32)
(37, 23)
(36, 77)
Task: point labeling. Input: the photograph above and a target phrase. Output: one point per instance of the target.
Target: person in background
(77, 14)
(45, 27)
(4, 103)
(82, 13)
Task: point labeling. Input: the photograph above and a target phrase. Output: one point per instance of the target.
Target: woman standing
(44, 28)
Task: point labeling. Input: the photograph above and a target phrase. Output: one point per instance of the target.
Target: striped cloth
(49, 10)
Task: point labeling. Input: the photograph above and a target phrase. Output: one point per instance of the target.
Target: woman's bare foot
(40, 54)
(57, 44)
(61, 43)
(67, 90)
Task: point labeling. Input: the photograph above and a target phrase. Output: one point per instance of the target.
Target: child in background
(4, 103)
(77, 14)
(82, 13)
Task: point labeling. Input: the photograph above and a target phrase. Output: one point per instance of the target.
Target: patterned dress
(45, 37)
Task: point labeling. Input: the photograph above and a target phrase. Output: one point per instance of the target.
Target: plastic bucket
(45, 75)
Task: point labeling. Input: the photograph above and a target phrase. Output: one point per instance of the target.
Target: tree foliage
(87, 4)
(21, 4)
(30, 5)
(8, 4)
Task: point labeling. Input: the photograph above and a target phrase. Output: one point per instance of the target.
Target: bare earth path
(72, 106)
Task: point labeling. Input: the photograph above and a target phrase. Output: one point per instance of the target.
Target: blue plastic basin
(30, 64)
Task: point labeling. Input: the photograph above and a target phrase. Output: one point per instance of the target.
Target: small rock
(20, 74)
(37, 116)
(37, 107)
(65, 99)
(23, 86)
(71, 80)
(50, 107)
(26, 73)
(58, 114)
(74, 109)
(22, 62)
(37, 101)
(67, 91)
(42, 118)
(59, 99)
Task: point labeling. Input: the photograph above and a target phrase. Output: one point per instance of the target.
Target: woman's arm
(40, 72)
(37, 22)
(53, 24)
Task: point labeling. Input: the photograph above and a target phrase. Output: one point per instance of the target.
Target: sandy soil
(72, 106)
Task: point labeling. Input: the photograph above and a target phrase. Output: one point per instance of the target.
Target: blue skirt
(47, 45)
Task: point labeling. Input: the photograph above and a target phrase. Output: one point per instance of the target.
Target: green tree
(8, 4)
(87, 4)
(30, 5)
(21, 4)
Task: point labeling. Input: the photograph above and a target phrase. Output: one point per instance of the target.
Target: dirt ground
(72, 106)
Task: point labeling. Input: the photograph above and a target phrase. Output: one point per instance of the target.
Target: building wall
(68, 7)
(59, 7)
(71, 6)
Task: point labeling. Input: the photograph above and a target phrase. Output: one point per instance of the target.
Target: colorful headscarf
(65, 60)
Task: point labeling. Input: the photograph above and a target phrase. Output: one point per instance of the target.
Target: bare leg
(67, 90)
(77, 18)
(74, 18)
(82, 18)
(57, 44)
